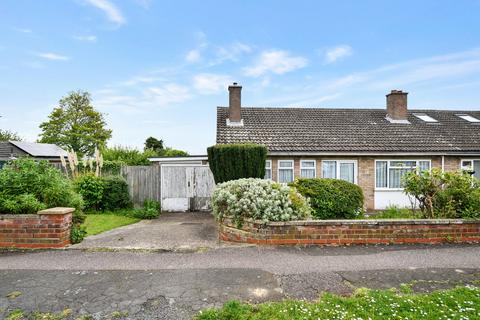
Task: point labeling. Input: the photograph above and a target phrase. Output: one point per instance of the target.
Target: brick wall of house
(341, 232)
(47, 229)
(366, 169)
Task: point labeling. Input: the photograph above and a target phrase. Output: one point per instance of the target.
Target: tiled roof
(40, 149)
(350, 130)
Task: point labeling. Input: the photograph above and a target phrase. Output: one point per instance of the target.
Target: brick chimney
(235, 105)
(397, 106)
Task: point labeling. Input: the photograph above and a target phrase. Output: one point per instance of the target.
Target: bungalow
(10, 150)
(373, 148)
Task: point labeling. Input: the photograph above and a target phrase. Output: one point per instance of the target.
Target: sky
(160, 68)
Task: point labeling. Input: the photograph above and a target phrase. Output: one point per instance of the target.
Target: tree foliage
(444, 194)
(153, 144)
(236, 161)
(76, 125)
(129, 156)
(7, 135)
(170, 152)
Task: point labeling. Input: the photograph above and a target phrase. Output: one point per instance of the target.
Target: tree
(7, 135)
(169, 152)
(153, 144)
(76, 125)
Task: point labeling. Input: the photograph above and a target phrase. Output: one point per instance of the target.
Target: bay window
(472, 165)
(340, 169)
(285, 171)
(389, 173)
(268, 169)
(308, 168)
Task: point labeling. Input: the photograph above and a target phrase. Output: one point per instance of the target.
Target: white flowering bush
(258, 199)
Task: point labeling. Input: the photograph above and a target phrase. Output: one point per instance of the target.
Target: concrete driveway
(179, 231)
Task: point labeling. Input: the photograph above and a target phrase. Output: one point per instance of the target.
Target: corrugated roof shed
(40, 149)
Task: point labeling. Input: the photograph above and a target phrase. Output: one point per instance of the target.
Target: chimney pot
(235, 103)
(397, 106)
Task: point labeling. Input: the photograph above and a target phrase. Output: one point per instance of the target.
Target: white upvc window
(340, 169)
(389, 173)
(308, 168)
(268, 169)
(285, 171)
(471, 165)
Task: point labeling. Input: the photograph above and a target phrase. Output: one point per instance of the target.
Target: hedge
(332, 198)
(236, 161)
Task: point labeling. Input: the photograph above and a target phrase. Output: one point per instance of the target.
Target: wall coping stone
(311, 222)
(57, 210)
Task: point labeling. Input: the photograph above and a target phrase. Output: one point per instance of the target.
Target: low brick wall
(345, 232)
(48, 228)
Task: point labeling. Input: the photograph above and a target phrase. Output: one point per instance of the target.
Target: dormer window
(424, 117)
(468, 117)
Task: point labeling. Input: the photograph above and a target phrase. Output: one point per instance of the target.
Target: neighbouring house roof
(40, 149)
(351, 130)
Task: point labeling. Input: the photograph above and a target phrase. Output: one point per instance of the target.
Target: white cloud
(139, 80)
(112, 12)
(230, 52)
(88, 38)
(336, 53)
(52, 56)
(144, 3)
(141, 100)
(193, 56)
(23, 30)
(168, 94)
(275, 61)
(207, 83)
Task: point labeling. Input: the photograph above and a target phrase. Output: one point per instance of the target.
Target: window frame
(417, 161)
(337, 168)
(279, 168)
(314, 168)
(471, 168)
(270, 168)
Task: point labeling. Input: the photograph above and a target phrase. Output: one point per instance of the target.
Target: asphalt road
(152, 285)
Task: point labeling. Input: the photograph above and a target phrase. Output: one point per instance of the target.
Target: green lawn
(461, 303)
(96, 223)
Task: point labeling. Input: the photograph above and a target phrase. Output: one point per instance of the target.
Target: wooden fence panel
(144, 182)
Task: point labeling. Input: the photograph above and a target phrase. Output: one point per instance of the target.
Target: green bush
(444, 194)
(236, 161)
(394, 212)
(115, 193)
(332, 198)
(103, 193)
(91, 188)
(21, 204)
(28, 178)
(151, 210)
(258, 199)
(77, 233)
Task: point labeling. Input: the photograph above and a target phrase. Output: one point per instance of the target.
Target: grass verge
(96, 223)
(459, 303)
